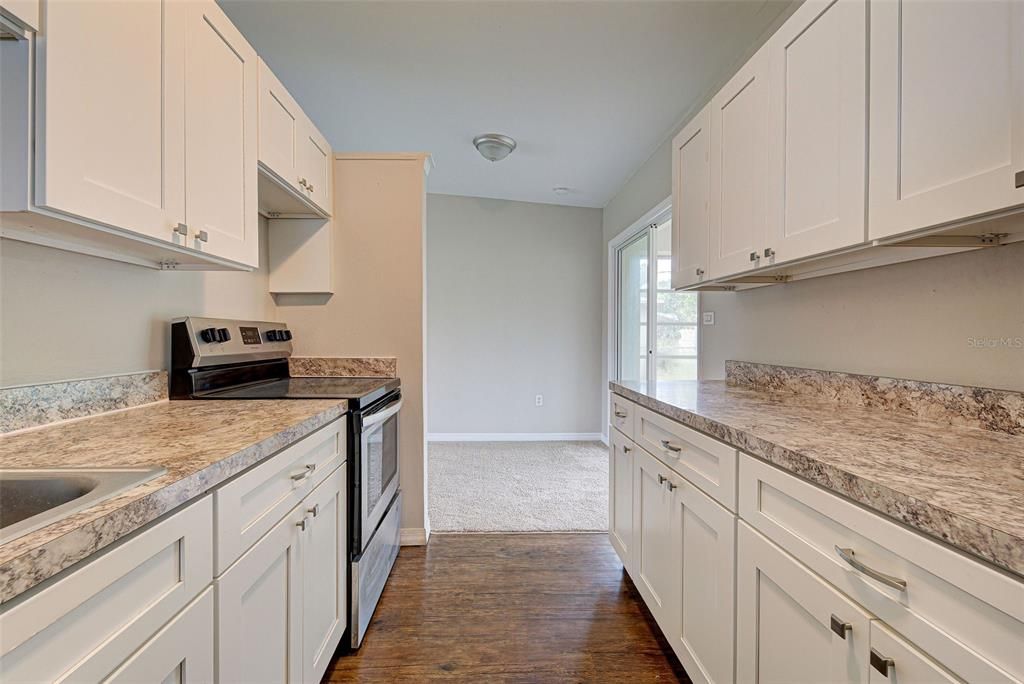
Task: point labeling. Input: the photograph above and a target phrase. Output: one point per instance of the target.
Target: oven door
(378, 455)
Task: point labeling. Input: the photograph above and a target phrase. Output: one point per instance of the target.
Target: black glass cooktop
(362, 391)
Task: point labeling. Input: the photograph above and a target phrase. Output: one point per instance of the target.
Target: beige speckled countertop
(962, 485)
(200, 443)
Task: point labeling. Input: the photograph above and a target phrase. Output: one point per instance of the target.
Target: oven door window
(380, 457)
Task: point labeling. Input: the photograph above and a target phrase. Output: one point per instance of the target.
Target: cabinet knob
(181, 229)
(302, 182)
(310, 187)
(626, 449)
(203, 236)
(768, 252)
(754, 256)
(661, 479)
(314, 511)
(1018, 180)
(671, 485)
(700, 272)
(301, 524)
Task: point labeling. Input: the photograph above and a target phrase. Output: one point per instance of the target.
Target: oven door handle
(381, 416)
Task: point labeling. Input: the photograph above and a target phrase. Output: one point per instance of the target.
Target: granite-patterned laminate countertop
(200, 443)
(962, 485)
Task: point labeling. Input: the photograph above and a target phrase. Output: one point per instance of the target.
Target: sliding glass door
(656, 335)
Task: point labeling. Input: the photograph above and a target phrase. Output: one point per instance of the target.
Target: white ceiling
(588, 89)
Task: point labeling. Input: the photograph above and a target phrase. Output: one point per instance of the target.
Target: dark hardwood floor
(510, 608)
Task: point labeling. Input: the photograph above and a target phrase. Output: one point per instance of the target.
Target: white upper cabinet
(17, 17)
(817, 131)
(947, 112)
(294, 158)
(691, 177)
(110, 137)
(220, 151)
(739, 169)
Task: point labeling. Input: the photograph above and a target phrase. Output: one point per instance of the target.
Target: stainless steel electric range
(215, 358)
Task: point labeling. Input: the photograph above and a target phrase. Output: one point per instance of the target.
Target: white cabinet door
(947, 112)
(655, 576)
(894, 661)
(314, 164)
(259, 610)
(180, 653)
(279, 128)
(818, 130)
(739, 169)
(791, 626)
(704, 558)
(221, 142)
(325, 574)
(621, 455)
(25, 13)
(110, 123)
(691, 177)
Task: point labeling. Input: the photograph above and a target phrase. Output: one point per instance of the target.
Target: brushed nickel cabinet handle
(302, 182)
(310, 187)
(661, 479)
(768, 252)
(203, 236)
(840, 627)
(1018, 180)
(310, 467)
(626, 449)
(754, 256)
(671, 485)
(314, 511)
(849, 556)
(621, 414)
(882, 663)
(700, 272)
(665, 444)
(301, 524)
(181, 229)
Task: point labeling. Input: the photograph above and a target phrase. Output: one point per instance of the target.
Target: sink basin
(34, 498)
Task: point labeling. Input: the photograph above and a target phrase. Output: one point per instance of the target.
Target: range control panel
(219, 341)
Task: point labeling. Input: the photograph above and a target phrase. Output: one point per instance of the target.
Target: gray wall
(912, 320)
(514, 302)
(66, 316)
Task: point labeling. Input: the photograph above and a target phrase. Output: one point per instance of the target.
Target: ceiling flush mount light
(494, 146)
(561, 190)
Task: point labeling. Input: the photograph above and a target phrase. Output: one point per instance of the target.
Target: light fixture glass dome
(494, 146)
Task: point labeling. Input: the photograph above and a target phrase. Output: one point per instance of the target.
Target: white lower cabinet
(703, 555)
(771, 594)
(281, 607)
(180, 653)
(654, 575)
(621, 455)
(791, 626)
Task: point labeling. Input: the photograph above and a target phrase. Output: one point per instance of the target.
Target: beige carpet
(518, 486)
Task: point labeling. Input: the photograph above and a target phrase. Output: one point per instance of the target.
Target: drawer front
(621, 415)
(706, 462)
(251, 504)
(85, 624)
(953, 607)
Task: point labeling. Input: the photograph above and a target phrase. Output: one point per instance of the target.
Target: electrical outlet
(708, 317)
(538, 400)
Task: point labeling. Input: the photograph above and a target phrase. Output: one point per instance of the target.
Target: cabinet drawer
(251, 504)
(954, 607)
(706, 462)
(621, 415)
(84, 625)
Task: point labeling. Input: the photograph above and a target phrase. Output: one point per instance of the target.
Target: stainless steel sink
(34, 498)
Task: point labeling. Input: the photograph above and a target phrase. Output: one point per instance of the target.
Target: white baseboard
(514, 437)
(413, 536)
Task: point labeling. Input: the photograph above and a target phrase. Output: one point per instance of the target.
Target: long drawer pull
(881, 662)
(888, 580)
(621, 414)
(840, 627)
(310, 467)
(665, 444)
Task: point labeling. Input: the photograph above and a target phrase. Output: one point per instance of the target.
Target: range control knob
(287, 335)
(272, 336)
(208, 334)
(223, 335)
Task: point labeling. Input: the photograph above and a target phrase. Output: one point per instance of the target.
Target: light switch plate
(708, 317)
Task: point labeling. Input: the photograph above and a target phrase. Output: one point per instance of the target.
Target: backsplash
(33, 405)
(343, 366)
(988, 409)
